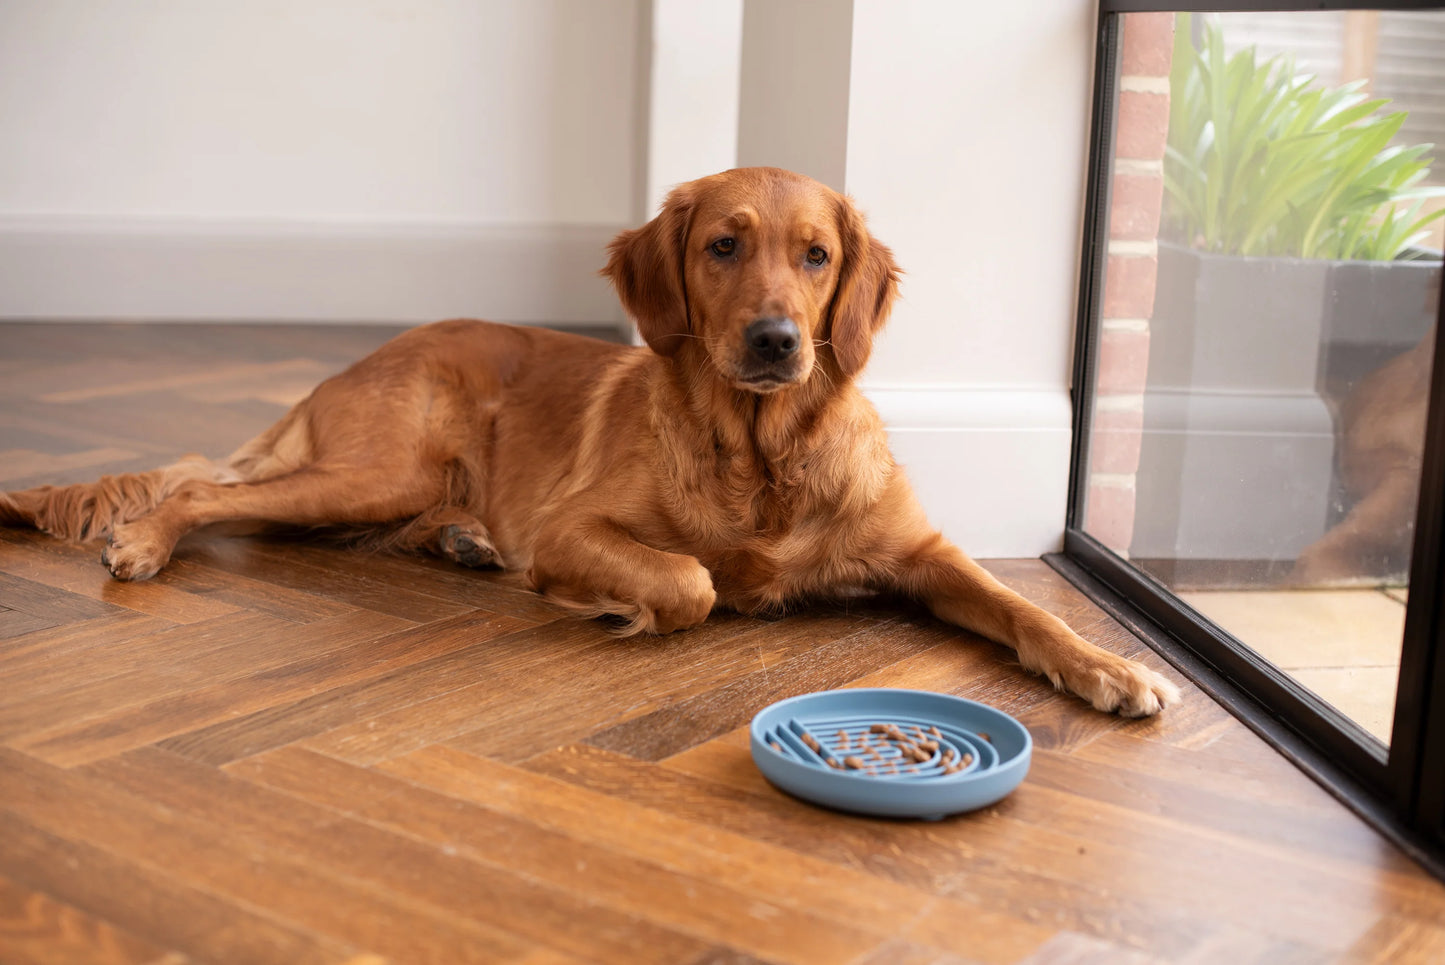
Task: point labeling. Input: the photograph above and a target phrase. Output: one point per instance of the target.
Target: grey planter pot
(1238, 447)
(1248, 360)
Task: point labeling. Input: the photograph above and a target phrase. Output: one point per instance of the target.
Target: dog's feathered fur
(653, 484)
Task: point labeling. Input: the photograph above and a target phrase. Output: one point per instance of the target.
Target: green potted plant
(1286, 271)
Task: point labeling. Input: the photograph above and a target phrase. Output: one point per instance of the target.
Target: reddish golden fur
(652, 484)
(1382, 449)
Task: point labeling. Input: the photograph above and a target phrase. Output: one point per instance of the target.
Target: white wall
(967, 144)
(795, 87)
(692, 116)
(416, 126)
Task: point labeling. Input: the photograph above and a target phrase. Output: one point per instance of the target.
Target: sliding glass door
(1258, 467)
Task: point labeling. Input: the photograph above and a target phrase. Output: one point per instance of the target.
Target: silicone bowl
(990, 751)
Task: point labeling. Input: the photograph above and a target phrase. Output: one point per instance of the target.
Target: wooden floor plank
(35, 929)
(619, 877)
(438, 876)
(779, 873)
(75, 571)
(337, 651)
(125, 703)
(828, 664)
(296, 892)
(152, 904)
(643, 674)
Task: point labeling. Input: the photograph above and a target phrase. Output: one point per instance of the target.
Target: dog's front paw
(687, 603)
(1128, 688)
(134, 552)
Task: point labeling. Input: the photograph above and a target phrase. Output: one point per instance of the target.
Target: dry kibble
(843, 737)
(982, 735)
(878, 729)
(929, 746)
(833, 762)
(912, 770)
(935, 733)
(948, 755)
(776, 746)
(812, 742)
(918, 733)
(967, 760)
(853, 763)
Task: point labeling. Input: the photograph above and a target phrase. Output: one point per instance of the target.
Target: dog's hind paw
(132, 553)
(469, 547)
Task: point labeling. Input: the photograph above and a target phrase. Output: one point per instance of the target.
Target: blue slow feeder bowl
(989, 757)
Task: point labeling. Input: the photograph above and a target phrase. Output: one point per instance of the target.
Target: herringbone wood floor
(280, 752)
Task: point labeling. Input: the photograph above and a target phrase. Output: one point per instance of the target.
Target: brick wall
(1129, 277)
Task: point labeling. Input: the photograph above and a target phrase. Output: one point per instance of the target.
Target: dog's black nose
(772, 339)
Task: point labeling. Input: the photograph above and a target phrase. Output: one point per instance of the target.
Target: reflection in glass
(1267, 328)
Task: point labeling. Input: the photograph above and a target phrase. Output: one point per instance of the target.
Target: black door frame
(1400, 789)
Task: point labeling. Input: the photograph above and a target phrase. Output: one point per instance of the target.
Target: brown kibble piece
(812, 742)
(947, 755)
(929, 746)
(878, 729)
(843, 737)
(776, 746)
(983, 735)
(918, 733)
(833, 762)
(853, 763)
(912, 770)
(935, 733)
(967, 760)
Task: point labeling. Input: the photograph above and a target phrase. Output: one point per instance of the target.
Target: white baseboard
(225, 270)
(990, 465)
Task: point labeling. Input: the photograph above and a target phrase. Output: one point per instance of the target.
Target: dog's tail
(92, 510)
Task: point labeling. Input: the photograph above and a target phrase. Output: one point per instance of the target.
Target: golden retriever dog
(730, 463)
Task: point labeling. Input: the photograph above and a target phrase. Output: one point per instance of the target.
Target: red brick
(1123, 362)
(1114, 442)
(1134, 206)
(1109, 516)
(1129, 286)
(1143, 125)
(1148, 47)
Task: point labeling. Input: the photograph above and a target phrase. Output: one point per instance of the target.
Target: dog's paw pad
(467, 547)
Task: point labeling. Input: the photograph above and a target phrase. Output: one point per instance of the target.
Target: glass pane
(1267, 328)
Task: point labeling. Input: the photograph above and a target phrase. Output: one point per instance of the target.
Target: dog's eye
(817, 257)
(724, 247)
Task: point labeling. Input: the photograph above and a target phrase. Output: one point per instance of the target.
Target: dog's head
(767, 270)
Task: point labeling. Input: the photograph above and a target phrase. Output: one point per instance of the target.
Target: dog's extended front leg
(960, 591)
(594, 566)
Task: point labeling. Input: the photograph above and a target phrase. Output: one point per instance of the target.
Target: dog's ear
(646, 267)
(867, 288)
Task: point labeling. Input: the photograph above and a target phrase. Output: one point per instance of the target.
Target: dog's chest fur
(769, 530)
